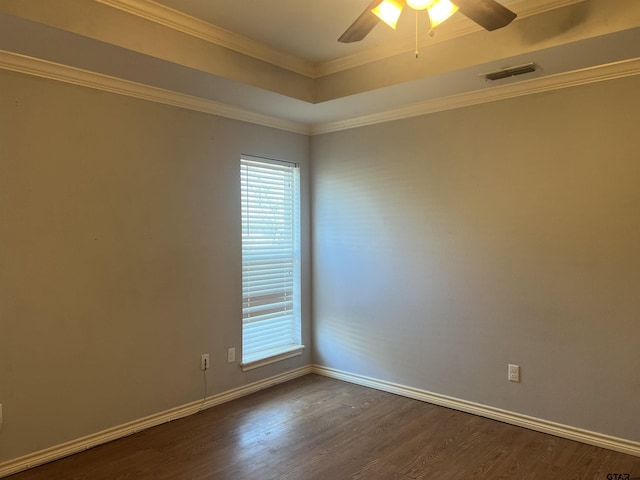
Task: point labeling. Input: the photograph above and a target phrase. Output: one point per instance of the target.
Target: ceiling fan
(486, 13)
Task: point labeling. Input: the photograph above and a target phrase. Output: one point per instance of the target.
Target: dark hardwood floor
(319, 428)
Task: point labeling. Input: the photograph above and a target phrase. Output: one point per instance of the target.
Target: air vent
(510, 72)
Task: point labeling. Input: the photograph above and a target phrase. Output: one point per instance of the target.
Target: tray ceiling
(282, 60)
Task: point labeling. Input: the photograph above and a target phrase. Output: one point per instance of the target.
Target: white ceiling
(305, 29)
(282, 59)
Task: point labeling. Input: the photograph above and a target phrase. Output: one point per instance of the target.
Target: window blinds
(270, 258)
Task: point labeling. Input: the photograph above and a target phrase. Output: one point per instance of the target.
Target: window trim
(289, 350)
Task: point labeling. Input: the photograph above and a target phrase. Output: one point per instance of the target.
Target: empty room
(333, 239)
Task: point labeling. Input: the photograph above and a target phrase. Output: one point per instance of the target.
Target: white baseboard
(532, 423)
(75, 446)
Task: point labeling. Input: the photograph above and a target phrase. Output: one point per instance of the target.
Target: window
(270, 192)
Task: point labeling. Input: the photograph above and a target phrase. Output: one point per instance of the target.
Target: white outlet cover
(514, 373)
(204, 361)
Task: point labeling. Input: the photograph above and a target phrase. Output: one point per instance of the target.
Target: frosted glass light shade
(440, 10)
(389, 12)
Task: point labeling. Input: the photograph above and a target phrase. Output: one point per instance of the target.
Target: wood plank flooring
(319, 428)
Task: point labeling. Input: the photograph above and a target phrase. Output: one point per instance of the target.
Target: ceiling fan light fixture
(440, 10)
(489, 14)
(389, 12)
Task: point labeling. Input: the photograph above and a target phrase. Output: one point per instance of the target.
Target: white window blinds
(270, 259)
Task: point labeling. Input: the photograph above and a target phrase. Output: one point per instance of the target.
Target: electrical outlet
(204, 361)
(231, 355)
(514, 373)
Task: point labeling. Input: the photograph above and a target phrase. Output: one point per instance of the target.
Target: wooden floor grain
(319, 428)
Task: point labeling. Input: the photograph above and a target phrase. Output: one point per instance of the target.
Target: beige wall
(119, 257)
(449, 245)
(446, 246)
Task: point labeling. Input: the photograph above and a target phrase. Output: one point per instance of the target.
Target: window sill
(272, 357)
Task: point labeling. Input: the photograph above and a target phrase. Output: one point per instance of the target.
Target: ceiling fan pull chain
(417, 34)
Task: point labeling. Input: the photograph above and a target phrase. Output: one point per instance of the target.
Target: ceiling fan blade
(486, 13)
(362, 26)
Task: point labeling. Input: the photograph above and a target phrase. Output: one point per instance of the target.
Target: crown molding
(181, 22)
(559, 81)
(76, 76)
(456, 27)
